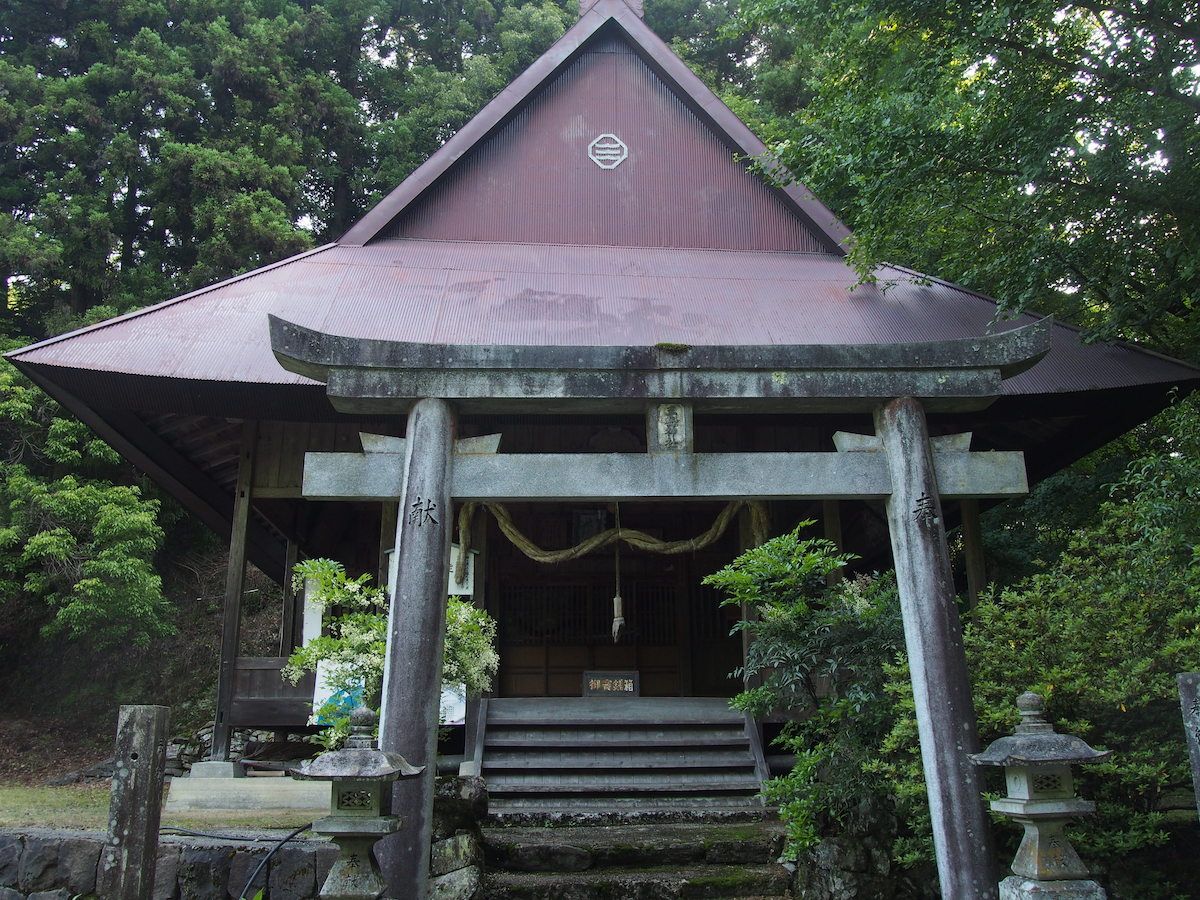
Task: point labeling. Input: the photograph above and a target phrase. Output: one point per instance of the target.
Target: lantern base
(1018, 887)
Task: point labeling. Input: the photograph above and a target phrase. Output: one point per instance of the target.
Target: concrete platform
(247, 795)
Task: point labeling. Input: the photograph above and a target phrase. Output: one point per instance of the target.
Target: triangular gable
(520, 170)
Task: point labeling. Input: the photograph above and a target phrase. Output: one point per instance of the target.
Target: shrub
(354, 645)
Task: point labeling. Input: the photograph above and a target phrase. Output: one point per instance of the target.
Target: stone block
(293, 874)
(548, 858)
(7, 893)
(1017, 887)
(462, 884)
(211, 768)
(454, 853)
(459, 804)
(56, 894)
(166, 873)
(204, 872)
(39, 865)
(10, 860)
(77, 860)
(242, 865)
(324, 855)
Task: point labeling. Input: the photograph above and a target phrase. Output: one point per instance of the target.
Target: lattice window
(1047, 783)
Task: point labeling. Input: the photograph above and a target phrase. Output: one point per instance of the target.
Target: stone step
(627, 783)
(617, 737)
(698, 881)
(701, 711)
(572, 849)
(595, 758)
(544, 810)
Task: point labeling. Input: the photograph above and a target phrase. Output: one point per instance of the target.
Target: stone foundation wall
(56, 864)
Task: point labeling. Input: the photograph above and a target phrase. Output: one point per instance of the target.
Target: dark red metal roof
(447, 292)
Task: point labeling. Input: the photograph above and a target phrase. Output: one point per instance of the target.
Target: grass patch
(71, 806)
(86, 807)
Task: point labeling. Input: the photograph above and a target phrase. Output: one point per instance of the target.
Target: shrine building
(589, 310)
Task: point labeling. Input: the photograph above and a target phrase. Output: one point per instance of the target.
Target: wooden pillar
(972, 536)
(235, 580)
(831, 521)
(130, 856)
(933, 636)
(387, 539)
(287, 627)
(412, 678)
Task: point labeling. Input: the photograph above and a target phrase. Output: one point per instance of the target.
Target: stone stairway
(609, 759)
(635, 862)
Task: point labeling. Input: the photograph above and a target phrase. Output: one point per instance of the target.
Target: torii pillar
(412, 678)
(937, 662)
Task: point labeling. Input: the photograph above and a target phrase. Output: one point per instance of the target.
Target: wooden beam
(235, 580)
(972, 535)
(599, 477)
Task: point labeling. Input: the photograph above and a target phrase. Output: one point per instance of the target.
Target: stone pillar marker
(933, 637)
(129, 858)
(412, 677)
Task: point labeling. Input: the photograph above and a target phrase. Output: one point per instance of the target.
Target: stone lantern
(1041, 796)
(360, 777)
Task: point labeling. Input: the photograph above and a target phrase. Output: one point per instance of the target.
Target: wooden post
(387, 539)
(412, 678)
(130, 854)
(933, 636)
(287, 626)
(831, 520)
(235, 581)
(972, 535)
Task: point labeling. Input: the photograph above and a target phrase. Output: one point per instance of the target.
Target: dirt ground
(36, 750)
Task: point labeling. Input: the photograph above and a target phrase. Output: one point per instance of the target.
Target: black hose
(263, 861)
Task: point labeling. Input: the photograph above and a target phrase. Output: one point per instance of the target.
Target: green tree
(1045, 153)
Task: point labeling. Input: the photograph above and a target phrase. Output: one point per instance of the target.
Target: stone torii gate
(900, 464)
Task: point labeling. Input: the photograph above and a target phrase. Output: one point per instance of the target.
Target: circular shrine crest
(608, 151)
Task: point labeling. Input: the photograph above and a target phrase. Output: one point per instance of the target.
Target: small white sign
(608, 151)
(453, 588)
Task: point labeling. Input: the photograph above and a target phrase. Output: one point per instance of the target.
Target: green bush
(354, 644)
(1100, 632)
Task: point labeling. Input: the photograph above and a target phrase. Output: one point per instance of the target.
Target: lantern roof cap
(359, 760)
(1036, 743)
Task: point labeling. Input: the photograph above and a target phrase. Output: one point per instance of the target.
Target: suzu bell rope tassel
(618, 604)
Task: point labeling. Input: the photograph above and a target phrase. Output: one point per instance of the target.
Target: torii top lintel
(367, 375)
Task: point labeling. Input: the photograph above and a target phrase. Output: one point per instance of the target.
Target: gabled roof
(613, 27)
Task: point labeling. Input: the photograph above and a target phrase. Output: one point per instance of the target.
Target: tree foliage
(1045, 153)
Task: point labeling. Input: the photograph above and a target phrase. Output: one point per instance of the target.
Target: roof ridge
(145, 310)
(663, 61)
